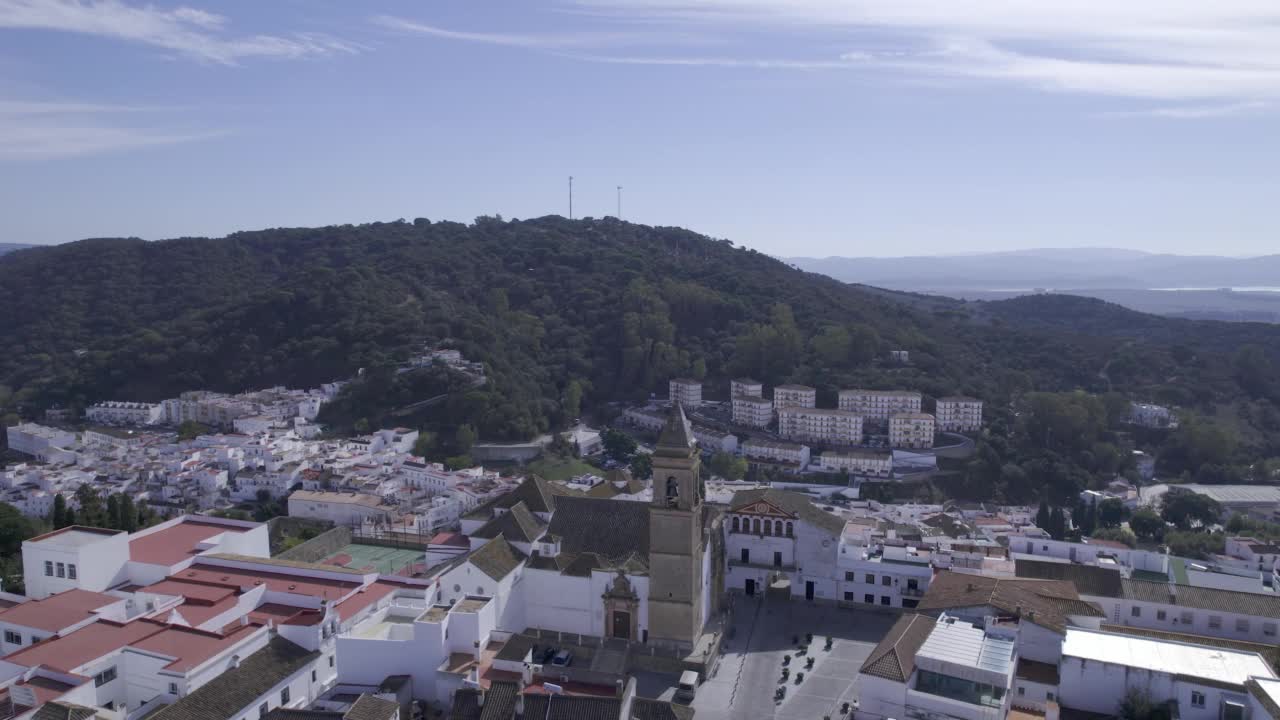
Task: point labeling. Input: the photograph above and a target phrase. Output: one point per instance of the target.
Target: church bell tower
(675, 537)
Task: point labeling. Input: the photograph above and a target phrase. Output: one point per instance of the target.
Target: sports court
(375, 558)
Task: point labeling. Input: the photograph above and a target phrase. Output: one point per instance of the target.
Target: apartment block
(879, 405)
(859, 462)
(746, 387)
(752, 411)
(959, 414)
(802, 396)
(685, 391)
(911, 430)
(820, 425)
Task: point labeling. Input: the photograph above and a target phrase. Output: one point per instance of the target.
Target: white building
(350, 509)
(859, 462)
(889, 575)
(835, 427)
(1099, 669)
(644, 419)
(775, 534)
(685, 391)
(959, 414)
(1152, 416)
(47, 444)
(712, 440)
(746, 387)
(911, 430)
(801, 396)
(790, 456)
(115, 412)
(945, 667)
(752, 411)
(879, 405)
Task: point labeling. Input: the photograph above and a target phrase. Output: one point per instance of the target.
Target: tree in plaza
(618, 445)
(1042, 516)
(641, 466)
(59, 517)
(1110, 513)
(1185, 508)
(1146, 524)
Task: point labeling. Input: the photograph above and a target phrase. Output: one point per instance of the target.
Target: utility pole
(619, 202)
(570, 197)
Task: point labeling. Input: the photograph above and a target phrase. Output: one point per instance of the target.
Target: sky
(797, 127)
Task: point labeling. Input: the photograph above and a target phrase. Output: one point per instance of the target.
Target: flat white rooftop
(1174, 658)
(958, 643)
(74, 536)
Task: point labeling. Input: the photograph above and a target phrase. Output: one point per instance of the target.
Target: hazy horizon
(860, 128)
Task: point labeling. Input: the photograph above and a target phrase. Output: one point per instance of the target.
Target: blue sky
(799, 127)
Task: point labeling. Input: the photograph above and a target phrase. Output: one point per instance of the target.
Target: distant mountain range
(10, 247)
(1132, 278)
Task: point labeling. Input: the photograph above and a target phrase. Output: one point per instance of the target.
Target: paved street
(751, 666)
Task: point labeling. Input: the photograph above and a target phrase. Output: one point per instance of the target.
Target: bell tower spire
(675, 536)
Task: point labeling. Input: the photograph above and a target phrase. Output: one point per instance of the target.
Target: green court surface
(375, 558)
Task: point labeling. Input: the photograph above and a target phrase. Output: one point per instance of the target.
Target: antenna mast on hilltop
(570, 197)
(619, 202)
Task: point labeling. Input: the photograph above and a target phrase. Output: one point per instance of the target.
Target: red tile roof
(70, 651)
(190, 647)
(246, 579)
(47, 689)
(365, 597)
(176, 543)
(450, 538)
(274, 612)
(57, 612)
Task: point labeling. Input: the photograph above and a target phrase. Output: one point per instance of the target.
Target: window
(1021, 691)
(737, 526)
(777, 527)
(35, 639)
(1269, 629)
(1135, 611)
(173, 688)
(746, 555)
(777, 559)
(884, 599)
(848, 597)
(869, 599)
(284, 696)
(62, 570)
(886, 580)
(48, 568)
(1215, 622)
(1048, 696)
(104, 677)
(1160, 615)
(913, 584)
(1197, 699)
(330, 661)
(1242, 625)
(71, 570)
(12, 637)
(789, 531)
(1186, 618)
(848, 576)
(768, 527)
(263, 710)
(313, 676)
(755, 526)
(870, 579)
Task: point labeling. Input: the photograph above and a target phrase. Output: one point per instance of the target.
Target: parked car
(687, 688)
(564, 658)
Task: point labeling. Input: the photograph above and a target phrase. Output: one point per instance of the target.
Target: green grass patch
(554, 468)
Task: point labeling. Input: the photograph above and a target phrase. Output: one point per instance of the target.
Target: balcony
(910, 592)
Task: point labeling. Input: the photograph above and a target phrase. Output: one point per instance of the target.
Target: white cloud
(1173, 50)
(37, 130)
(188, 31)
(585, 39)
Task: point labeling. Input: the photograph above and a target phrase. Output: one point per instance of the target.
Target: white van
(688, 687)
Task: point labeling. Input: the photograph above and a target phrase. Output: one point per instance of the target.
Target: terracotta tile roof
(57, 612)
(63, 711)
(1088, 579)
(894, 658)
(496, 558)
(247, 579)
(172, 545)
(570, 707)
(612, 529)
(517, 524)
(70, 651)
(1046, 603)
(230, 693)
(370, 707)
(364, 597)
(190, 647)
(644, 709)
(1202, 598)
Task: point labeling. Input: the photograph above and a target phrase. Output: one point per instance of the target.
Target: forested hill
(611, 308)
(10, 247)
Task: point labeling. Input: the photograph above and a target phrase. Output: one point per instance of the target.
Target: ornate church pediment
(621, 588)
(764, 508)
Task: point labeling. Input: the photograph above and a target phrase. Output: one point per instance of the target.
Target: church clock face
(762, 508)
